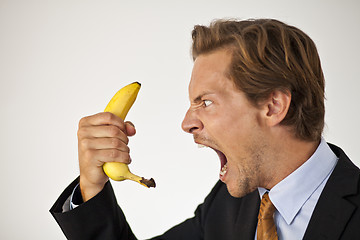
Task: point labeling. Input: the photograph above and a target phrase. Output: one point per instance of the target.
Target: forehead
(210, 73)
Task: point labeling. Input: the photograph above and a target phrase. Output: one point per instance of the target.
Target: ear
(276, 107)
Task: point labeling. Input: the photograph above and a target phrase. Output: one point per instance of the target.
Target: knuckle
(114, 131)
(116, 143)
(89, 154)
(125, 149)
(108, 116)
(127, 157)
(81, 121)
(125, 139)
(80, 132)
(112, 119)
(116, 154)
(85, 143)
(113, 153)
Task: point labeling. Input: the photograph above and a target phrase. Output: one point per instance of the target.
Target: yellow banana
(120, 105)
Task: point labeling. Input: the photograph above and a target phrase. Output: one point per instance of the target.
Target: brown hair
(269, 55)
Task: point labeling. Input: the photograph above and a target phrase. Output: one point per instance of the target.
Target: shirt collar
(290, 194)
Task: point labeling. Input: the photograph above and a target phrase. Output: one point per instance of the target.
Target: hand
(102, 137)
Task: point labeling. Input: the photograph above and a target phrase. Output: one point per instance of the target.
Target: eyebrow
(200, 96)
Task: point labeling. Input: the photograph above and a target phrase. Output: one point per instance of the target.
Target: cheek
(239, 135)
(229, 126)
(234, 127)
(214, 124)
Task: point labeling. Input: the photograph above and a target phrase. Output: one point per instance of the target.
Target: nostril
(191, 130)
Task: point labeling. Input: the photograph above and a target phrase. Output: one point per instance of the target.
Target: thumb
(130, 128)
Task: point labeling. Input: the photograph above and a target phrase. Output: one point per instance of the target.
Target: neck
(286, 156)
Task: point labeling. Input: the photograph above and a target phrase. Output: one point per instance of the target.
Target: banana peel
(120, 105)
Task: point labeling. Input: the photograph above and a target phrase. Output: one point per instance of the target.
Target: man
(257, 99)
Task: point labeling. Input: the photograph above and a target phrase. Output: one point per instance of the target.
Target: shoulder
(346, 175)
(344, 160)
(338, 209)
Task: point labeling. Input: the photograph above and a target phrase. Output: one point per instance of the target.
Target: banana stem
(145, 182)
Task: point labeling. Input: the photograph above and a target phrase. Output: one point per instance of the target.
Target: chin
(239, 190)
(236, 193)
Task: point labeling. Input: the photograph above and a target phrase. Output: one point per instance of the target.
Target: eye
(207, 103)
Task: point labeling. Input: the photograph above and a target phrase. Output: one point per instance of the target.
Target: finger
(109, 155)
(104, 143)
(130, 128)
(102, 132)
(103, 118)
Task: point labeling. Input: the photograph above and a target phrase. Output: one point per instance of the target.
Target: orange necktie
(266, 229)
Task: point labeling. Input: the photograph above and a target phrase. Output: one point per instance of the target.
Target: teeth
(223, 170)
(201, 146)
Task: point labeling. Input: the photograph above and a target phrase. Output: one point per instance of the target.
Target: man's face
(221, 117)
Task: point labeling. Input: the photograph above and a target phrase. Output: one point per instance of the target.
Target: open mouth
(223, 161)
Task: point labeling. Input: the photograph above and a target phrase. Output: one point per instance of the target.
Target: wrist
(89, 190)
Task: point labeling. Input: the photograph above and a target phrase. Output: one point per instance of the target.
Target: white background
(62, 60)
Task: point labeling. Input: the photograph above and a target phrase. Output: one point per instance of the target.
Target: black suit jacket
(221, 216)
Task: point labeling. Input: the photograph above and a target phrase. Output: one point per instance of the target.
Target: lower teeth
(223, 170)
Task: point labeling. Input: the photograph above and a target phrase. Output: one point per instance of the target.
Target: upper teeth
(201, 146)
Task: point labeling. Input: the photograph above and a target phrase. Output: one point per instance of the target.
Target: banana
(120, 105)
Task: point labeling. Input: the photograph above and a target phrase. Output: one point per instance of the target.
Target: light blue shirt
(72, 204)
(296, 195)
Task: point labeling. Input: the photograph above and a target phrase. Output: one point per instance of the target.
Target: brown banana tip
(148, 182)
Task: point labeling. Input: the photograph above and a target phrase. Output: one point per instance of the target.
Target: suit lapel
(333, 210)
(246, 221)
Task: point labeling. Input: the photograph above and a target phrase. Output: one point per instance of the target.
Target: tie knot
(267, 209)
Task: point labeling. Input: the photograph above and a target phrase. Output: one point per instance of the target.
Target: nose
(191, 123)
